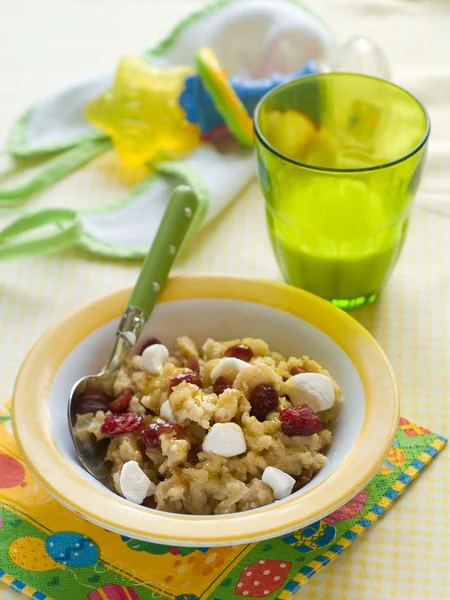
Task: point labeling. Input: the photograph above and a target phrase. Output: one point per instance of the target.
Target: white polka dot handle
(172, 231)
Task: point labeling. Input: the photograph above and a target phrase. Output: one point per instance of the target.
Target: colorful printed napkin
(47, 552)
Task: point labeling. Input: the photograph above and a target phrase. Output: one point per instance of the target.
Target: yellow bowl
(292, 321)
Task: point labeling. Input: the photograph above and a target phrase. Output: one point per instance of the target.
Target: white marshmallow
(314, 389)
(134, 483)
(153, 358)
(225, 439)
(228, 367)
(166, 412)
(280, 482)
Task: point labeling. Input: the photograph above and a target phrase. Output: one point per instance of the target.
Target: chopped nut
(185, 348)
(189, 404)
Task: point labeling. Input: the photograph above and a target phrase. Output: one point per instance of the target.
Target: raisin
(150, 436)
(300, 483)
(263, 399)
(148, 343)
(193, 378)
(122, 402)
(299, 421)
(221, 384)
(151, 433)
(193, 454)
(149, 502)
(240, 351)
(193, 365)
(92, 401)
(122, 423)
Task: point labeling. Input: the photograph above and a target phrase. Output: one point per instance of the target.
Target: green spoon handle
(172, 231)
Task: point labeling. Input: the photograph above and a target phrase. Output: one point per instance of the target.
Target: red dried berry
(221, 384)
(240, 351)
(193, 378)
(297, 370)
(171, 427)
(92, 401)
(193, 365)
(122, 423)
(122, 402)
(299, 421)
(300, 483)
(263, 399)
(152, 432)
(150, 436)
(148, 343)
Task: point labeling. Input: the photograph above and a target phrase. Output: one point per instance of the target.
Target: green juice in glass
(340, 158)
(323, 246)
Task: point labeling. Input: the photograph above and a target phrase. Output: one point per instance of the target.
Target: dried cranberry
(150, 342)
(300, 483)
(263, 399)
(240, 351)
(188, 378)
(92, 401)
(152, 432)
(122, 423)
(221, 384)
(193, 365)
(149, 502)
(122, 402)
(299, 421)
(297, 370)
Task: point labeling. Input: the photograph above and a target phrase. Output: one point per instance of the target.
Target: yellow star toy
(141, 113)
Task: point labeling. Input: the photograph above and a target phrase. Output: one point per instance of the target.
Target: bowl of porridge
(247, 409)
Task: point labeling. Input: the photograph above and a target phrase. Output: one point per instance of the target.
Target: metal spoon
(172, 231)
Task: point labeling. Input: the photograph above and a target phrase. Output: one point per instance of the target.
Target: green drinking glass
(340, 157)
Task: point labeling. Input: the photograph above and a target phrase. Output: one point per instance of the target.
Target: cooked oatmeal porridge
(219, 429)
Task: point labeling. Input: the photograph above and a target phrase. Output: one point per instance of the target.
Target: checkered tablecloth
(48, 43)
